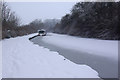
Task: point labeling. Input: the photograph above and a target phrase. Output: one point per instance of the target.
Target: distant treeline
(11, 24)
(87, 19)
(92, 20)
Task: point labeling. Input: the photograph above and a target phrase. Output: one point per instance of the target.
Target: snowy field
(104, 48)
(23, 59)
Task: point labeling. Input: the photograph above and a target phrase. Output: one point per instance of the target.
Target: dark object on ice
(42, 32)
(33, 37)
(64, 59)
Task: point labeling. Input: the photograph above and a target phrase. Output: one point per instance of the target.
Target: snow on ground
(0, 60)
(23, 59)
(105, 48)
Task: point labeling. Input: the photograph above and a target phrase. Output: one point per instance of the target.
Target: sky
(29, 11)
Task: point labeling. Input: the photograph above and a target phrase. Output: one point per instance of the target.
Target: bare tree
(10, 21)
(8, 17)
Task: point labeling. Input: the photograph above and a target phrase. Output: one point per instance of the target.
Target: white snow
(104, 48)
(0, 60)
(23, 59)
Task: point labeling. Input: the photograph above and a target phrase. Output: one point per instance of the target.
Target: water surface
(106, 68)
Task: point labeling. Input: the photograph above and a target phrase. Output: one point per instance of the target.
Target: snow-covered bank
(105, 48)
(23, 59)
(0, 60)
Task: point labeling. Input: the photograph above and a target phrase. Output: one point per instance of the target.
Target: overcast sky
(29, 11)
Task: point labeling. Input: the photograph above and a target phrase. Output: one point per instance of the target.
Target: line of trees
(10, 21)
(92, 20)
(0, 21)
(11, 24)
(87, 19)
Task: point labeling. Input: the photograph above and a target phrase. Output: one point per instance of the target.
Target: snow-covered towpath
(23, 59)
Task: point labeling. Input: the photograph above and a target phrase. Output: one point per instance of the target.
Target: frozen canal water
(105, 67)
